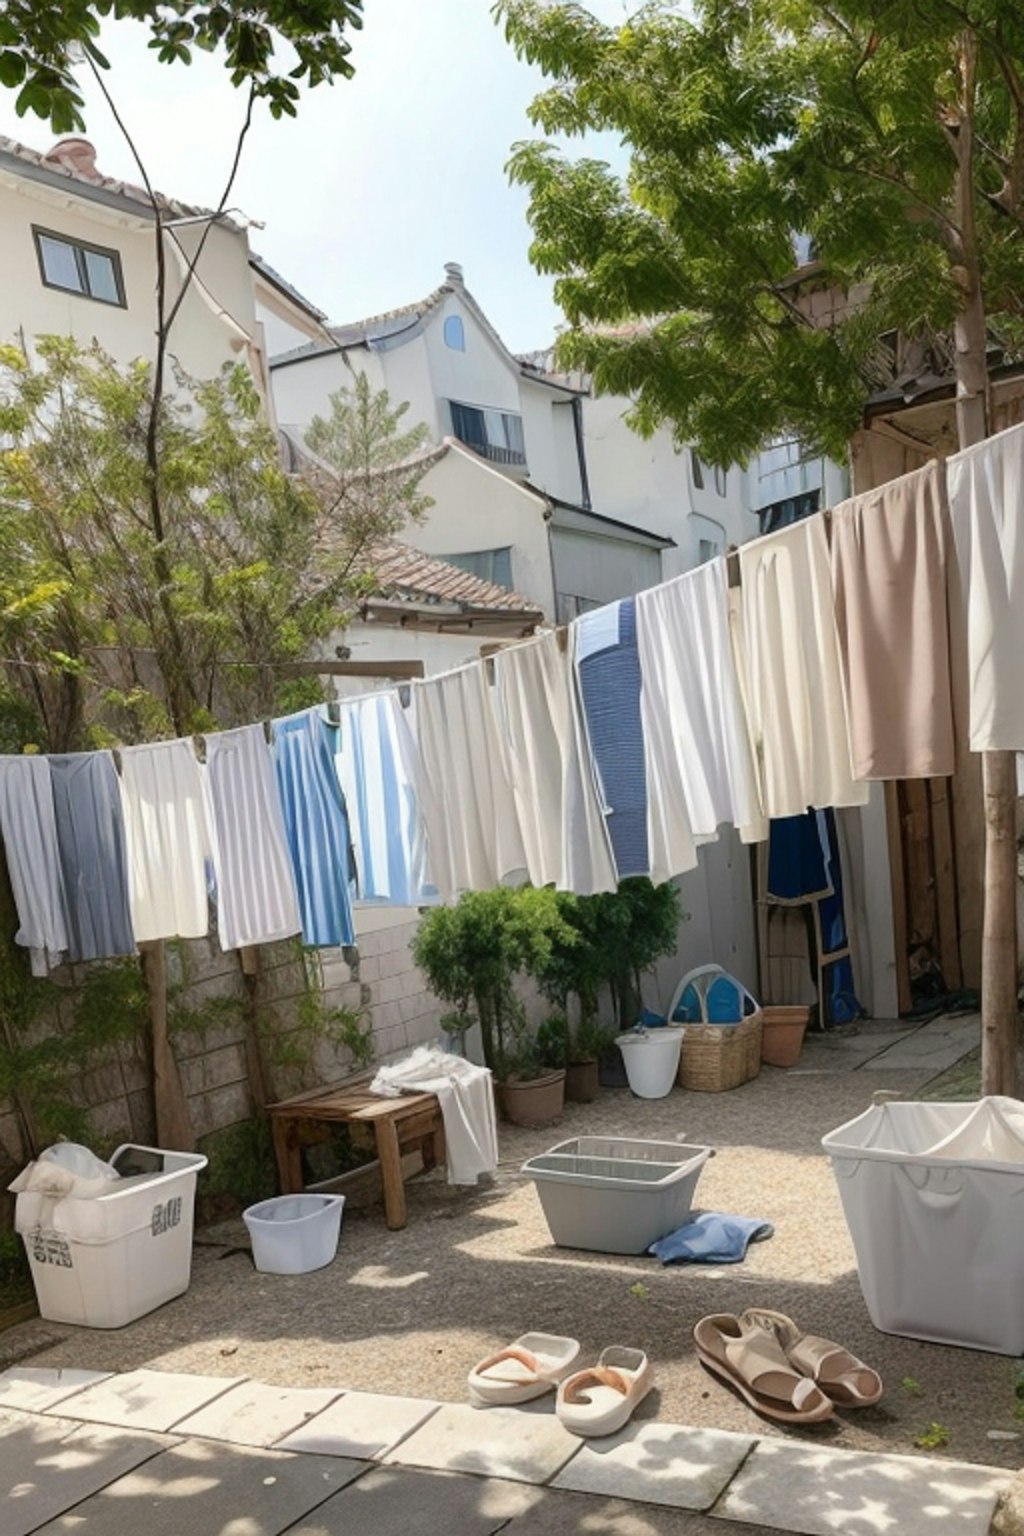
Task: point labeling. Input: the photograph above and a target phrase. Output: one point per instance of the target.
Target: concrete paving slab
(366, 1424)
(936, 1046)
(34, 1389)
(393, 1501)
(48, 1465)
(817, 1491)
(529, 1447)
(149, 1399)
(558, 1513)
(254, 1414)
(198, 1488)
(658, 1464)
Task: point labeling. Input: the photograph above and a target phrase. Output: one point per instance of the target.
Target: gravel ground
(409, 1312)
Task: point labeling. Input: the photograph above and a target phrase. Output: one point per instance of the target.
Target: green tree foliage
(273, 48)
(889, 132)
(372, 459)
(474, 952)
(94, 644)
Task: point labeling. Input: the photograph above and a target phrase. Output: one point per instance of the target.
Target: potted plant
(578, 1050)
(472, 955)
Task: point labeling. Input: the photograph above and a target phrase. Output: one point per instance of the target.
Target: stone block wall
(379, 979)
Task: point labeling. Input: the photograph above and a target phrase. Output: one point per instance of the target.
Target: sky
(377, 183)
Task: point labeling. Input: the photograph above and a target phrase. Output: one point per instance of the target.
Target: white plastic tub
(652, 1059)
(293, 1234)
(615, 1195)
(106, 1260)
(933, 1196)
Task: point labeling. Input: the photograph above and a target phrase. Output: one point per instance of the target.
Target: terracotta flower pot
(582, 1082)
(535, 1101)
(782, 1035)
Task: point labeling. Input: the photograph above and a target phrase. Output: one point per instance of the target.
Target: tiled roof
(276, 280)
(408, 574)
(108, 184)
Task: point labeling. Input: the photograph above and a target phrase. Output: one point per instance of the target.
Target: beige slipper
(599, 1400)
(846, 1380)
(530, 1366)
(750, 1358)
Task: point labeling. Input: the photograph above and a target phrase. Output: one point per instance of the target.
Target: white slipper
(599, 1400)
(526, 1368)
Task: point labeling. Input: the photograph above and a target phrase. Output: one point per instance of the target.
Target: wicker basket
(716, 1057)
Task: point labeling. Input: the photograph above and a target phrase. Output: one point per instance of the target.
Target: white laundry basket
(652, 1059)
(106, 1260)
(292, 1234)
(934, 1199)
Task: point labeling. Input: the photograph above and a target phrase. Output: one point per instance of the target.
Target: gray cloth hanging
(91, 846)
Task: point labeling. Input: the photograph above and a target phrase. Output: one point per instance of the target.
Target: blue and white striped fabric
(608, 669)
(316, 827)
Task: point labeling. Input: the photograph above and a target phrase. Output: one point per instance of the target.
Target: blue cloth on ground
(316, 826)
(711, 1238)
(608, 668)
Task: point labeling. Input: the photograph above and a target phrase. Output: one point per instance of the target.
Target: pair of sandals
(598, 1400)
(782, 1372)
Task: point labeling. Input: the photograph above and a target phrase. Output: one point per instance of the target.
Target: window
(91, 270)
(454, 333)
(495, 435)
(707, 549)
(721, 480)
(698, 469)
(568, 606)
(489, 564)
(782, 514)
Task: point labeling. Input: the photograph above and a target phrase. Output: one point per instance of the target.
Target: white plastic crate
(932, 1197)
(615, 1195)
(104, 1261)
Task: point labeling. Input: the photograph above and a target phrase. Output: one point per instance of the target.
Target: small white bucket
(652, 1060)
(293, 1234)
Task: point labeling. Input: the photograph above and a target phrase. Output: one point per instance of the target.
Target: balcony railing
(491, 451)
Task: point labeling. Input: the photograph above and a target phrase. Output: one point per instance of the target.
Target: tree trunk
(173, 1126)
(973, 417)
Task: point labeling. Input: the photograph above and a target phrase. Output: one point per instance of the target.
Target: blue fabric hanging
(805, 868)
(608, 669)
(316, 827)
(91, 849)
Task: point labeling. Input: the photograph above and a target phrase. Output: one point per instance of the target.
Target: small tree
(473, 952)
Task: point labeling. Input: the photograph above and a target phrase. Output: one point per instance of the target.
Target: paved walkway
(164, 1454)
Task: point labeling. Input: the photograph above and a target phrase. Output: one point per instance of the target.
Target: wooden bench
(412, 1122)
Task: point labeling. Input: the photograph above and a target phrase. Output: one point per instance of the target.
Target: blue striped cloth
(608, 669)
(316, 827)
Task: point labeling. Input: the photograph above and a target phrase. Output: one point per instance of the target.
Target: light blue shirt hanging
(608, 668)
(316, 827)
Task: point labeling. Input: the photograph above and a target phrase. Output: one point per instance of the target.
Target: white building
(513, 500)
(78, 258)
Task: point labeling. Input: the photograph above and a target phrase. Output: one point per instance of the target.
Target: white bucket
(652, 1060)
(293, 1234)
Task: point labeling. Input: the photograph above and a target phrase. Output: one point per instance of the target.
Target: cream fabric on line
(479, 844)
(986, 501)
(892, 562)
(564, 832)
(700, 767)
(168, 840)
(29, 829)
(256, 900)
(796, 708)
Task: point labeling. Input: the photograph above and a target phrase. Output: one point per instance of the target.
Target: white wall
(551, 453)
(477, 507)
(650, 483)
(481, 375)
(376, 641)
(200, 340)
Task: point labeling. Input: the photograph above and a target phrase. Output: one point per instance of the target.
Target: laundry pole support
(173, 1126)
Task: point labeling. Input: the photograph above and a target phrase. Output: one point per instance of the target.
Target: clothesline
(572, 758)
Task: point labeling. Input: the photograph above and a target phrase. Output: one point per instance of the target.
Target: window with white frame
(495, 435)
(94, 271)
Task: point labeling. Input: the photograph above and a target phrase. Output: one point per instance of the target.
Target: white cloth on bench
(466, 1095)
